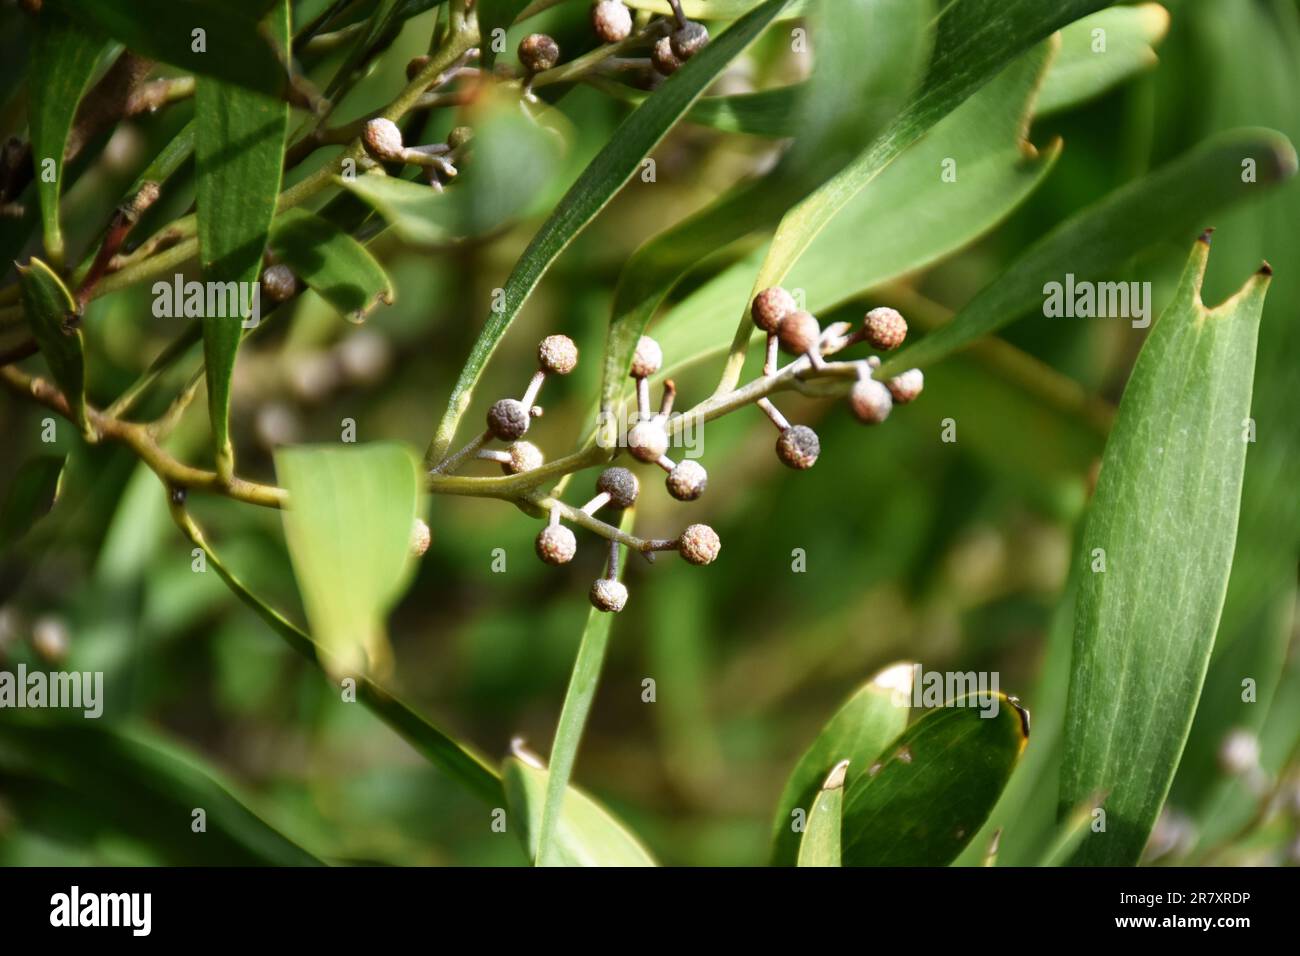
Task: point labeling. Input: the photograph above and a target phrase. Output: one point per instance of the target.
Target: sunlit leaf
(1100, 52)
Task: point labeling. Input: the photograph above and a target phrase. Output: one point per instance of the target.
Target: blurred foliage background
(953, 554)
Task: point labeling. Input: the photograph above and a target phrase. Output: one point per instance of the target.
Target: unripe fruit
(798, 447)
(383, 140)
(459, 136)
(687, 480)
(608, 595)
(556, 544)
(648, 357)
(771, 306)
(689, 40)
(524, 456)
(699, 544)
(420, 538)
(663, 58)
(906, 386)
(620, 484)
(799, 332)
(611, 20)
(279, 283)
(508, 419)
(870, 401)
(884, 328)
(538, 52)
(648, 441)
(558, 354)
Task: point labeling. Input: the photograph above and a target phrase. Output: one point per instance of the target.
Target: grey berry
(524, 456)
(648, 441)
(556, 544)
(608, 595)
(689, 40)
(906, 386)
(687, 481)
(664, 59)
(558, 354)
(699, 544)
(648, 357)
(421, 537)
(884, 328)
(771, 306)
(870, 401)
(799, 332)
(508, 419)
(538, 52)
(798, 447)
(383, 140)
(620, 484)
(611, 20)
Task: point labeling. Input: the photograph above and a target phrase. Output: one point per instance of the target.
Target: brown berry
(906, 386)
(648, 357)
(689, 40)
(611, 20)
(620, 484)
(556, 544)
(798, 447)
(687, 481)
(648, 441)
(608, 595)
(771, 306)
(870, 401)
(279, 283)
(508, 419)
(799, 333)
(699, 544)
(383, 140)
(538, 52)
(884, 328)
(558, 354)
(663, 58)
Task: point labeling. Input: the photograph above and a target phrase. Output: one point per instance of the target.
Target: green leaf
(858, 732)
(143, 787)
(348, 526)
(932, 791)
(496, 15)
(1090, 64)
(438, 747)
(820, 845)
(239, 154)
(64, 56)
(32, 494)
(1164, 521)
(613, 166)
(1071, 833)
(1174, 202)
(925, 218)
(513, 161)
(55, 321)
(235, 45)
(340, 269)
(586, 834)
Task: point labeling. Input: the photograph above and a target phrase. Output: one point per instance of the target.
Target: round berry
(459, 136)
(538, 52)
(558, 354)
(798, 447)
(885, 328)
(870, 401)
(556, 544)
(621, 486)
(663, 58)
(699, 544)
(421, 537)
(382, 139)
(771, 306)
(51, 638)
(279, 283)
(648, 441)
(689, 40)
(524, 456)
(687, 481)
(906, 386)
(799, 332)
(415, 65)
(648, 357)
(508, 419)
(363, 356)
(608, 595)
(611, 20)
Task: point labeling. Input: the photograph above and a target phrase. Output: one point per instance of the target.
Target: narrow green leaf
(595, 187)
(1071, 832)
(64, 56)
(858, 732)
(1092, 62)
(56, 325)
(438, 747)
(921, 803)
(340, 269)
(348, 526)
(239, 155)
(1164, 522)
(585, 835)
(820, 845)
(1174, 202)
(32, 494)
(227, 40)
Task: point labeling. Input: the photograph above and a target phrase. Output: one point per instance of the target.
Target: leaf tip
(897, 679)
(1265, 270)
(835, 779)
(1206, 236)
(520, 751)
(1023, 713)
